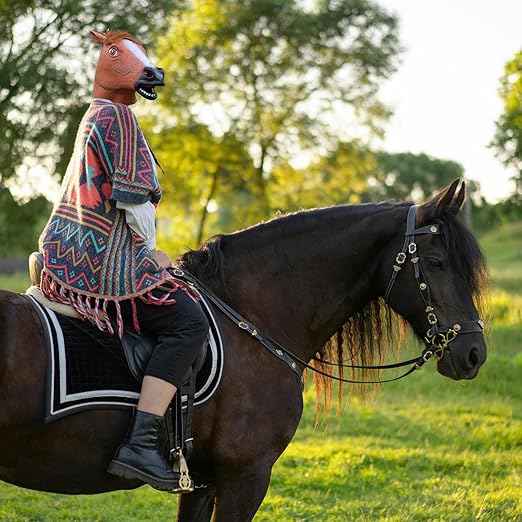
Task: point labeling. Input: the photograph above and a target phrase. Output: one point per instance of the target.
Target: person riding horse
(100, 252)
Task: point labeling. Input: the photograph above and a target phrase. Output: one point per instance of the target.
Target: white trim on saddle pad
(65, 403)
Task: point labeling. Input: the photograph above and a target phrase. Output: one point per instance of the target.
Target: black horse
(310, 280)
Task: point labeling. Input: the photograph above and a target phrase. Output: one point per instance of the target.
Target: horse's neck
(302, 278)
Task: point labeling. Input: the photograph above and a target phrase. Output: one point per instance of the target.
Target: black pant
(180, 328)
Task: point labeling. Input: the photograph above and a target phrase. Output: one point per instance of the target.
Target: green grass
(17, 282)
(503, 247)
(425, 449)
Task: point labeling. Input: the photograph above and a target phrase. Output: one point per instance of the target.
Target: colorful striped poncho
(92, 257)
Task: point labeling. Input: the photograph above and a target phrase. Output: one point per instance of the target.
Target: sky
(445, 92)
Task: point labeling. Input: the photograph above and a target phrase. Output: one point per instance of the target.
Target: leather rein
(436, 339)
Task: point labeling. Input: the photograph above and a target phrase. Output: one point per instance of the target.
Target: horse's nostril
(473, 358)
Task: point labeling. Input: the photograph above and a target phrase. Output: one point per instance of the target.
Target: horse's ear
(460, 196)
(448, 200)
(97, 37)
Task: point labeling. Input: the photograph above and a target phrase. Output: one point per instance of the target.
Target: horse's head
(124, 69)
(439, 279)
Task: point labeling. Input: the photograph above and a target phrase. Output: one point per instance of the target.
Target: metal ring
(439, 353)
(401, 257)
(450, 335)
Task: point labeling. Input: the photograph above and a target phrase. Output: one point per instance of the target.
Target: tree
(45, 65)
(336, 178)
(273, 75)
(200, 169)
(405, 175)
(20, 225)
(507, 141)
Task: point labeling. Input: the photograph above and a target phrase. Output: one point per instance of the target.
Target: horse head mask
(124, 69)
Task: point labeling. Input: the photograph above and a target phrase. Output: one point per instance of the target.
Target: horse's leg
(197, 506)
(239, 495)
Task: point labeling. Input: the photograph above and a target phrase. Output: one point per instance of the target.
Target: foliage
(353, 173)
(339, 177)
(507, 141)
(408, 176)
(489, 215)
(200, 168)
(267, 75)
(45, 66)
(20, 225)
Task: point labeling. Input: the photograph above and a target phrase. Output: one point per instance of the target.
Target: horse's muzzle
(462, 360)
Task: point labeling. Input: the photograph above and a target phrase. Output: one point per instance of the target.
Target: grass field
(426, 449)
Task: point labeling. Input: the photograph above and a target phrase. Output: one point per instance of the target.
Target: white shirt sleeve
(142, 220)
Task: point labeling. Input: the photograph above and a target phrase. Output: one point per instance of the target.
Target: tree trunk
(204, 211)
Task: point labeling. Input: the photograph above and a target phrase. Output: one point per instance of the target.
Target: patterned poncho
(91, 255)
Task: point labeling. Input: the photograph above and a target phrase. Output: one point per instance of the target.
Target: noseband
(437, 337)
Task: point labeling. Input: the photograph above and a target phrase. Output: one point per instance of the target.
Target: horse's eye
(434, 262)
(113, 51)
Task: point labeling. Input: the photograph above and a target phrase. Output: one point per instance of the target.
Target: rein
(272, 346)
(437, 338)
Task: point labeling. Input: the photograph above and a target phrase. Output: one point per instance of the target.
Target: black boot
(139, 456)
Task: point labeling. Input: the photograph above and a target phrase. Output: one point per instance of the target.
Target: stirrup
(186, 484)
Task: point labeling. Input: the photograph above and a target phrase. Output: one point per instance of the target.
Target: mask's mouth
(149, 79)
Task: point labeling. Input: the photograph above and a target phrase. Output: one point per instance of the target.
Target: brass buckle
(439, 353)
(427, 355)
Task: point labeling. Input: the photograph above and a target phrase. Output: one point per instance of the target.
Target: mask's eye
(113, 51)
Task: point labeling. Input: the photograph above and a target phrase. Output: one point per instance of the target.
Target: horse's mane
(207, 263)
(372, 333)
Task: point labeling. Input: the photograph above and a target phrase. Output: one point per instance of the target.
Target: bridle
(437, 337)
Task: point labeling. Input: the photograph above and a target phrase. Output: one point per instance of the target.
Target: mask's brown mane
(116, 36)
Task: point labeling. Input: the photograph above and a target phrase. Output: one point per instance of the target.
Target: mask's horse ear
(97, 37)
(448, 200)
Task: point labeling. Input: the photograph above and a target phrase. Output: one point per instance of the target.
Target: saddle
(137, 347)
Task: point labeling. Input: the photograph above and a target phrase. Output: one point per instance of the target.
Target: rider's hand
(161, 258)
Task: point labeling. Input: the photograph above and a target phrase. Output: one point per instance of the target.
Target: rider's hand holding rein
(162, 258)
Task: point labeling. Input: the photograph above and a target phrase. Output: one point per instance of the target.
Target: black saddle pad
(87, 368)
